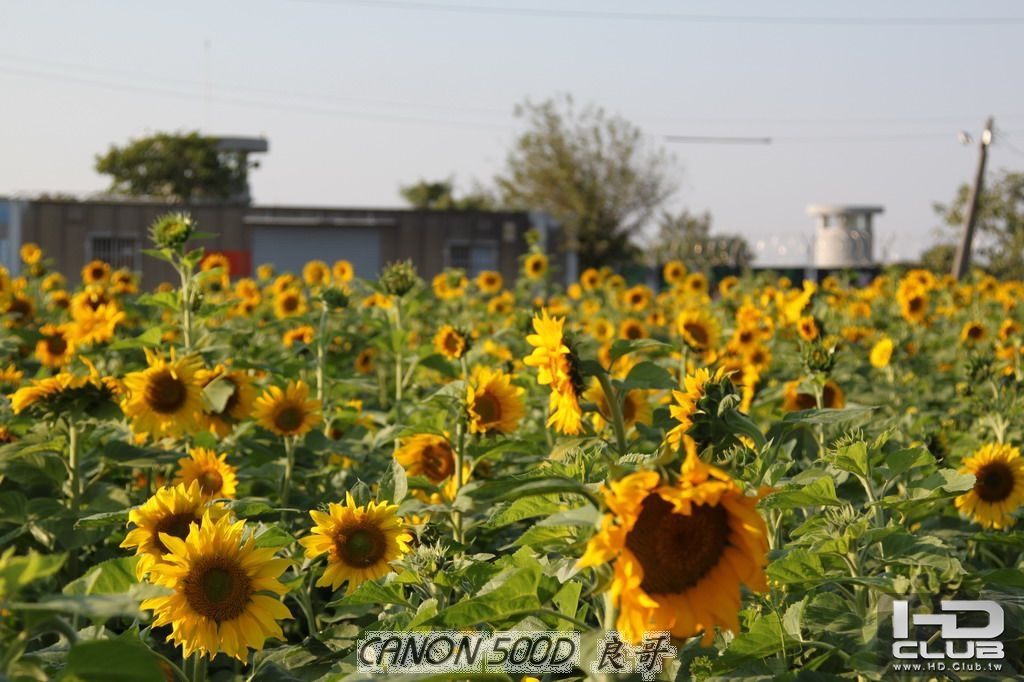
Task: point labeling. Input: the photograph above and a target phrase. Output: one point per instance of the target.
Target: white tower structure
(844, 236)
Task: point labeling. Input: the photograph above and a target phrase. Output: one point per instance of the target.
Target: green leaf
(111, 660)
(819, 493)
(798, 566)
(273, 536)
(18, 571)
(371, 592)
(151, 338)
(648, 375)
(765, 638)
(511, 488)
(902, 461)
(170, 300)
(247, 508)
(829, 415)
(853, 458)
(217, 393)
(104, 519)
(525, 508)
(114, 576)
(510, 593)
(625, 346)
(394, 485)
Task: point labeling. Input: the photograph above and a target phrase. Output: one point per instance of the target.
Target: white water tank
(844, 237)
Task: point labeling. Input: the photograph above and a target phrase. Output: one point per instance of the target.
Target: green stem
(76, 468)
(198, 668)
(460, 463)
(618, 422)
(186, 304)
(398, 357)
(289, 466)
(321, 357)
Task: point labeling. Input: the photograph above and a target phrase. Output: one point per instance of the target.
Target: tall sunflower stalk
(170, 233)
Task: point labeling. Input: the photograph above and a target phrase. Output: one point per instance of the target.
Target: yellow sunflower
(913, 301)
(680, 552)
(315, 273)
(342, 271)
(304, 334)
(808, 328)
(631, 328)
(450, 342)
(30, 253)
(95, 272)
(635, 407)
(124, 282)
(728, 283)
(215, 476)
(999, 485)
(557, 367)
(673, 272)
(289, 412)
(686, 402)
(449, 284)
(590, 279)
(366, 361)
(360, 541)
(492, 402)
(637, 298)
(698, 329)
(832, 397)
(973, 332)
(169, 511)
(164, 400)
(228, 397)
(20, 308)
(65, 392)
(696, 284)
(881, 353)
(489, 282)
(289, 303)
(54, 349)
(535, 266)
(429, 455)
(220, 584)
(89, 326)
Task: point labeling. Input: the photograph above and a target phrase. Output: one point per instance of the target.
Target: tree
(440, 196)
(176, 166)
(1000, 222)
(593, 173)
(687, 237)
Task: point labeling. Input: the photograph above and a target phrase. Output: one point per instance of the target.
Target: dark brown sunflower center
(438, 462)
(218, 588)
(746, 336)
(176, 525)
(829, 396)
(56, 345)
(676, 551)
(452, 344)
(19, 306)
(232, 401)
(488, 407)
(361, 546)
(165, 393)
(633, 331)
(97, 273)
(916, 304)
(975, 332)
(629, 408)
(697, 333)
(994, 482)
(289, 418)
(290, 304)
(210, 482)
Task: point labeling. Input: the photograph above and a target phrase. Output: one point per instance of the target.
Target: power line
(675, 17)
(708, 139)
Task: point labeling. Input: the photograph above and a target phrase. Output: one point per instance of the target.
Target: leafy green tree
(594, 173)
(999, 230)
(687, 237)
(176, 166)
(440, 196)
(939, 258)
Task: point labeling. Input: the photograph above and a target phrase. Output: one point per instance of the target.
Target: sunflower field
(243, 478)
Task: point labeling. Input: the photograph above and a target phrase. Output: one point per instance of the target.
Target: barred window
(119, 252)
(473, 258)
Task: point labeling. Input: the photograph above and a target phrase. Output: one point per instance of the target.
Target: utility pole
(963, 252)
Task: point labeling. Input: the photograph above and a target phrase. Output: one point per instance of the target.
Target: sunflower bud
(172, 230)
(335, 298)
(820, 357)
(398, 278)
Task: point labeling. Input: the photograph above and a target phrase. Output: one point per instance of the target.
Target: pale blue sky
(358, 97)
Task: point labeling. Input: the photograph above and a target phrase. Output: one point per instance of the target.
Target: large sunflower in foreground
(170, 511)
(360, 541)
(492, 402)
(220, 584)
(557, 367)
(216, 478)
(680, 551)
(999, 485)
(165, 399)
(289, 412)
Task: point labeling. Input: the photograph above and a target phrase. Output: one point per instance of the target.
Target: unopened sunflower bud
(335, 298)
(398, 278)
(172, 230)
